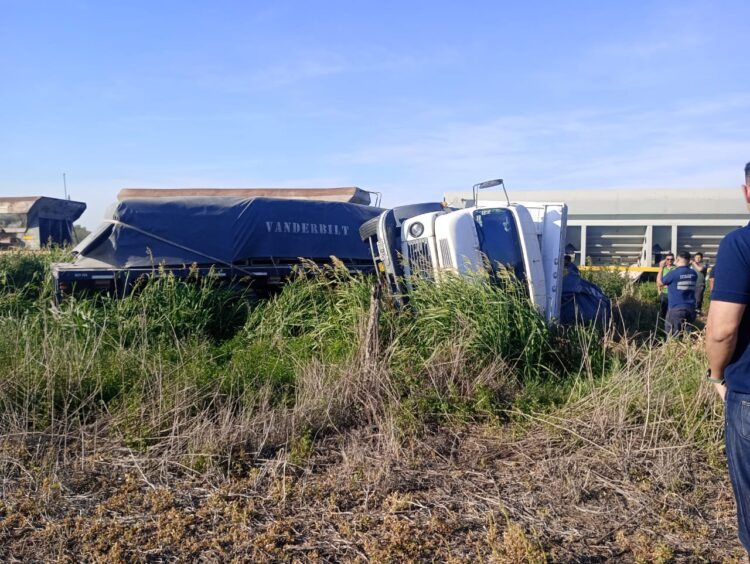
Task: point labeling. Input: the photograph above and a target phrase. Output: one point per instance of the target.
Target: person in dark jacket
(728, 349)
(680, 284)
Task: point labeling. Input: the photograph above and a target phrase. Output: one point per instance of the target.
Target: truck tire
(369, 228)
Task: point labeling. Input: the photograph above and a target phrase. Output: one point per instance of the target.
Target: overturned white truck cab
(427, 240)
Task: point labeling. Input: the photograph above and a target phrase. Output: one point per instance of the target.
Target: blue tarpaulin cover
(228, 230)
(583, 301)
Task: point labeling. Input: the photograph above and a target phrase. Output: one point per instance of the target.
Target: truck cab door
(498, 239)
(507, 240)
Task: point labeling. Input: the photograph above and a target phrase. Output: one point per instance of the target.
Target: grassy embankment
(188, 420)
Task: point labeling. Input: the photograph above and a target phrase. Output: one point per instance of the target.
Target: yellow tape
(621, 268)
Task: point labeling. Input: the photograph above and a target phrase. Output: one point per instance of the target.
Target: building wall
(636, 227)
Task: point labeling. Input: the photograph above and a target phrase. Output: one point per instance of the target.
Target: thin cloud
(627, 148)
(677, 43)
(317, 64)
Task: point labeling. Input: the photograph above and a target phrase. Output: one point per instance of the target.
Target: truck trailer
(259, 240)
(31, 222)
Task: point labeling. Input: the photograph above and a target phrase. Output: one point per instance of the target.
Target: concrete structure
(636, 227)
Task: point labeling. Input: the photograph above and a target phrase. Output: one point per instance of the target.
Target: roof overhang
(624, 203)
(42, 206)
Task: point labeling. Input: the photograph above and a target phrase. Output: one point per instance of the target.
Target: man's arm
(721, 337)
(659, 283)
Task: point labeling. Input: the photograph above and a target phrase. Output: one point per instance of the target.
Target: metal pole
(648, 258)
(584, 237)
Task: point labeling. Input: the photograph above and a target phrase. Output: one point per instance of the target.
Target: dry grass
(629, 472)
(462, 494)
(392, 442)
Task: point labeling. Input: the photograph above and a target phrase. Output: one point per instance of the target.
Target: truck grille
(445, 253)
(419, 258)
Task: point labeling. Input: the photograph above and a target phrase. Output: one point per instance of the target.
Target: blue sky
(409, 98)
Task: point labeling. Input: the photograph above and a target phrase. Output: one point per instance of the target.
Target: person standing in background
(680, 282)
(665, 265)
(728, 350)
(700, 284)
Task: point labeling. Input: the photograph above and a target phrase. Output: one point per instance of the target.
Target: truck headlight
(416, 230)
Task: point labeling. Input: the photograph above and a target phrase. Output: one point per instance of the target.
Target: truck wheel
(369, 228)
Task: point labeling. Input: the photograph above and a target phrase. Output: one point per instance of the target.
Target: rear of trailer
(31, 222)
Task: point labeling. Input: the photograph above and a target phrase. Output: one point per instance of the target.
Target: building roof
(641, 202)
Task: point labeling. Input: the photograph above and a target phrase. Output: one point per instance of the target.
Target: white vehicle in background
(427, 240)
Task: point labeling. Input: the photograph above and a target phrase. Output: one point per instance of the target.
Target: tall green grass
(25, 277)
(193, 369)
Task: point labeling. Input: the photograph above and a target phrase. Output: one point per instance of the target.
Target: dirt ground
(466, 493)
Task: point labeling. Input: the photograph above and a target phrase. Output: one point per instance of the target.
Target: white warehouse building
(636, 227)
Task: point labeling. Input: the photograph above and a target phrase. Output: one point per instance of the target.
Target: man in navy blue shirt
(680, 283)
(728, 349)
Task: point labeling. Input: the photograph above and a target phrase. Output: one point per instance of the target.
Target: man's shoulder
(735, 246)
(741, 234)
(669, 275)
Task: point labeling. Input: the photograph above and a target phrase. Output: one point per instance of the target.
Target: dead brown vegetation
(616, 475)
(353, 464)
(556, 493)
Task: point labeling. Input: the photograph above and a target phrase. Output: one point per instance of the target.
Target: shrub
(614, 282)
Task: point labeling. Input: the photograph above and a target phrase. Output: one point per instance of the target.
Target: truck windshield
(499, 241)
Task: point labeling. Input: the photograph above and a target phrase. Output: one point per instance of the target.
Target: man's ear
(746, 191)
